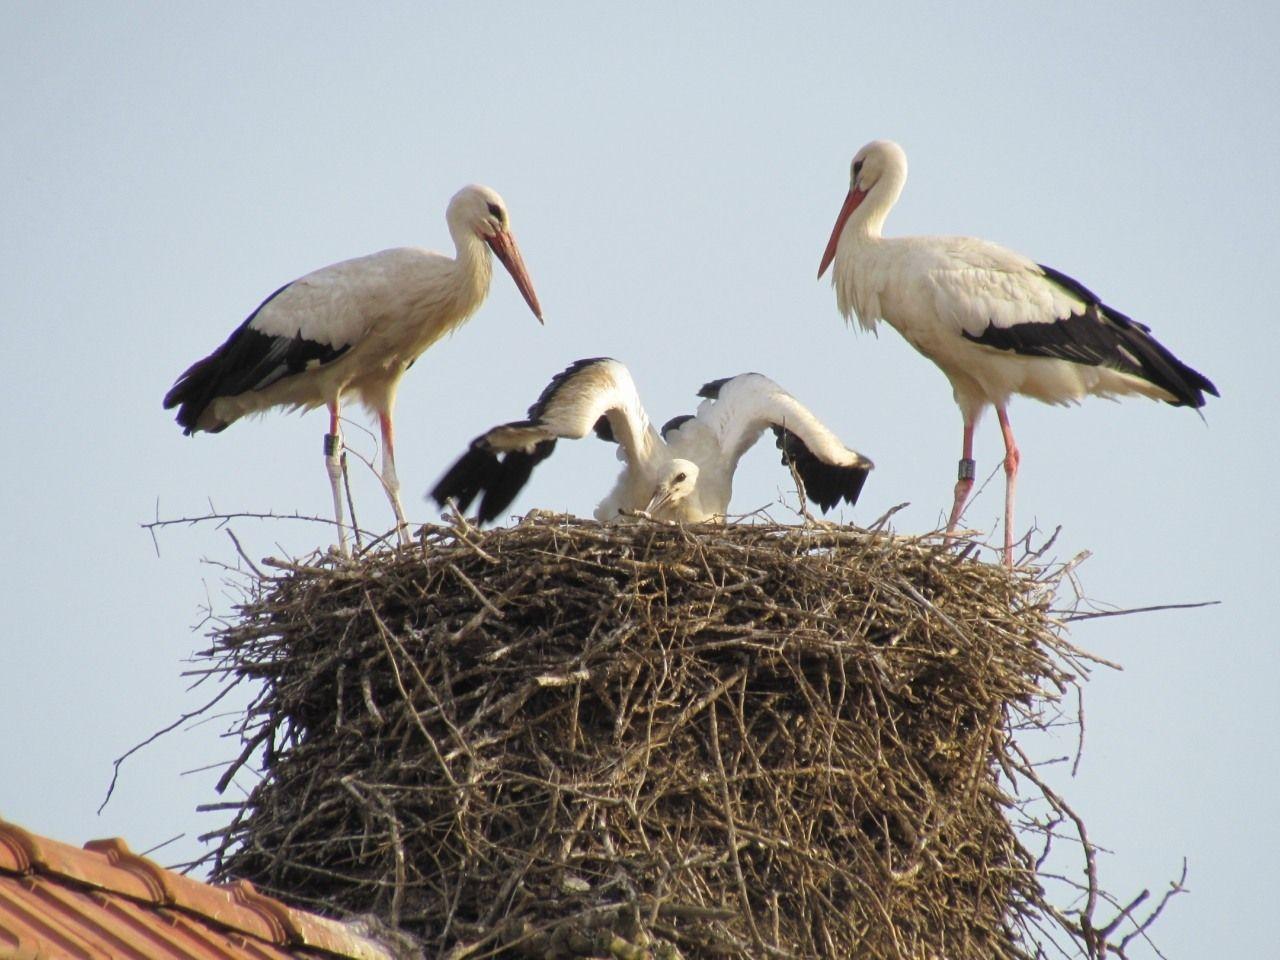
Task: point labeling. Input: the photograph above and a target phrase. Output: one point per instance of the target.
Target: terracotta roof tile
(105, 901)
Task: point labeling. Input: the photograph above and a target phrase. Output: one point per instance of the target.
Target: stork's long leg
(1012, 457)
(964, 482)
(390, 482)
(333, 458)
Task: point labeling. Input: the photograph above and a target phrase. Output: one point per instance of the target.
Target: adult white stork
(354, 327)
(995, 322)
(683, 472)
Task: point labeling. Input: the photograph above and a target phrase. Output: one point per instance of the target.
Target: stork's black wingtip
(463, 481)
(486, 517)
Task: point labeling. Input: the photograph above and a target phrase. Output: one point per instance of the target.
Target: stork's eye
(857, 169)
(497, 212)
(681, 478)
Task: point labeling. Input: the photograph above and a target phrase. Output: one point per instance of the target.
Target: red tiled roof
(104, 901)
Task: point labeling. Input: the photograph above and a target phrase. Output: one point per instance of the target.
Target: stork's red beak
(504, 247)
(850, 204)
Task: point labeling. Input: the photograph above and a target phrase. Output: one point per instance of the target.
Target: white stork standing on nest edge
(683, 472)
(354, 327)
(995, 322)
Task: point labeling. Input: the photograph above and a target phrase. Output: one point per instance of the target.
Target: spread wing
(594, 394)
(739, 409)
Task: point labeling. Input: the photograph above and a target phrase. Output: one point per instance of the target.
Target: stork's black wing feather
(826, 484)
(539, 406)
(248, 360)
(500, 461)
(483, 470)
(508, 479)
(675, 423)
(604, 430)
(463, 481)
(1101, 336)
(711, 390)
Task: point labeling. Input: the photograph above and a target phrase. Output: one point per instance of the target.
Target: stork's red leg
(1012, 457)
(390, 482)
(333, 455)
(964, 482)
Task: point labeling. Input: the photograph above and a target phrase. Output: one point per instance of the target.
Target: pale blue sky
(672, 171)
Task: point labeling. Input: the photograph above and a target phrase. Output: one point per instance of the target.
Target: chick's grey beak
(661, 497)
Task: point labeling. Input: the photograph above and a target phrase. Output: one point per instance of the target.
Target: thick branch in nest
(562, 739)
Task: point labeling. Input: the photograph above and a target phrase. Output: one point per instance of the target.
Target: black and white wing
(1002, 300)
(305, 325)
(596, 394)
(740, 409)
(252, 358)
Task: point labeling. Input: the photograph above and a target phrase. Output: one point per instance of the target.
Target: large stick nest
(564, 739)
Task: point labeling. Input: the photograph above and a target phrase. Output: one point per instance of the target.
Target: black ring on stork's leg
(968, 469)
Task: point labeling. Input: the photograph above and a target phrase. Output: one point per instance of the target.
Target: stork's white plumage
(995, 322)
(683, 472)
(354, 328)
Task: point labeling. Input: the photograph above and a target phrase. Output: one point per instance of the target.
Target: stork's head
(480, 211)
(880, 162)
(676, 481)
(875, 160)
